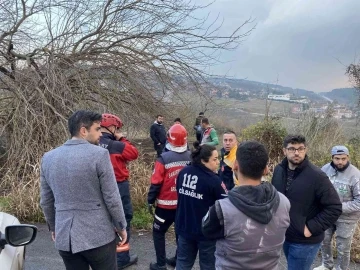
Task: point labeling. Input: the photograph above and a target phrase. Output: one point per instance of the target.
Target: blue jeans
(124, 188)
(188, 249)
(300, 256)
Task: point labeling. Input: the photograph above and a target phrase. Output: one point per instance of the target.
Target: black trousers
(100, 258)
(163, 219)
(159, 149)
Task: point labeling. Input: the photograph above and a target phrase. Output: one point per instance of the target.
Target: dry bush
(355, 247)
(140, 174)
(23, 200)
(321, 135)
(353, 71)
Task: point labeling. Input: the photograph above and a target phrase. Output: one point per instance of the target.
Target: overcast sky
(302, 43)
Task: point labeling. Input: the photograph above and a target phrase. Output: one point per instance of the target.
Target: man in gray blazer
(80, 199)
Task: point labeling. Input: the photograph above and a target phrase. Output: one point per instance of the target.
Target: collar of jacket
(75, 141)
(336, 169)
(204, 168)
(108, 136)
(299, 169)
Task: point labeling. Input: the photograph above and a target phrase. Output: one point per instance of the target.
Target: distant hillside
(343, 95)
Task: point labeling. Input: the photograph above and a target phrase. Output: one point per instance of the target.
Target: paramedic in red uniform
(163, 190)
(121, 152)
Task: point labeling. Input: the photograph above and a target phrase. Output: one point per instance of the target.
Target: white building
(285, 97)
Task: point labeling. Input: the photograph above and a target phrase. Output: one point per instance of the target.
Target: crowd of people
(222, 209)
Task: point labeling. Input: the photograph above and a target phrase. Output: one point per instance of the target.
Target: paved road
(41, 254)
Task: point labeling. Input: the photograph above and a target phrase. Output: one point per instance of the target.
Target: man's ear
(83, 132)
(266, 170)
(284, 151)
(236, 166)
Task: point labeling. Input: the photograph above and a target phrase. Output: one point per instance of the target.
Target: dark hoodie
(249, 226)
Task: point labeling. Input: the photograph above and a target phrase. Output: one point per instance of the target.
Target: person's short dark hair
(159, 115)
(177, 120)
(252, 158)
(294, 139)
(201, 113)
(230, 132)
(201, 152)
(82, 118)
(205, 121)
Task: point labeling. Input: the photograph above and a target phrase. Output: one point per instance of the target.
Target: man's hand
(118, 135)
(123, 235)
(150, 208)
(53, 236)
(307, 233)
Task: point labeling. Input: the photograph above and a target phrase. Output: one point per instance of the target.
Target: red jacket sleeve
(158, 175)
(130, 152)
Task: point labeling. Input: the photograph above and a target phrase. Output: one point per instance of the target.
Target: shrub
(23, 199)
(140, 173)
(321, 135)
(142, 219)
(269, 132)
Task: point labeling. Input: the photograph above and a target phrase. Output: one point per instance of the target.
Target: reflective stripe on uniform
(167, 202)
(159, 219)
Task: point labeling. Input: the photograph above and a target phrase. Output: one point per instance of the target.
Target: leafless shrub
(353, 71)
(140, 174)
(129, 57)
(321, 135)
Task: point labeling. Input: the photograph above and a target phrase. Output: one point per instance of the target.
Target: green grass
(142, 219)
(4, 204)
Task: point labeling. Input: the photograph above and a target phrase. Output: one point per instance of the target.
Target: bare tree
(353, 71)
(131, 57)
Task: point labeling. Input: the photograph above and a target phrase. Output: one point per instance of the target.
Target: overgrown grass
(142, 219)
(23, 199)
(141, 171)
(140, 174)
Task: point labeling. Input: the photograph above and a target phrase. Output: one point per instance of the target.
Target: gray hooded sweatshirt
(254, 220)
(347, 185)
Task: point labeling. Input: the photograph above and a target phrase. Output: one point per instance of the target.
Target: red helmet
(177, 135)
(110, 120)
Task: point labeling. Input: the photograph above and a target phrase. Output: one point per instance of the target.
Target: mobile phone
(118, 238)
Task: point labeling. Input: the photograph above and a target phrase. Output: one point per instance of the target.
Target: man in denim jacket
(345, 178)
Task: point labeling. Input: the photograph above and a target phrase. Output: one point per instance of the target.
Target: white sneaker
(321, 267)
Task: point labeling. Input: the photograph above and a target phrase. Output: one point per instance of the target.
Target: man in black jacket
(315, 204)
(158, 134)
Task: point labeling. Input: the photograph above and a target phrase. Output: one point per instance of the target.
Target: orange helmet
(110, 120)
(177, 135)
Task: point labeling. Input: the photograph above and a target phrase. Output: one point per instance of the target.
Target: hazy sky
(302, 43)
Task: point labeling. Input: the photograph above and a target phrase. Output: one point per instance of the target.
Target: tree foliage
(269, 132)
